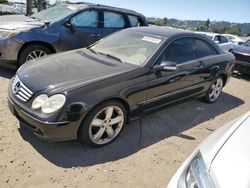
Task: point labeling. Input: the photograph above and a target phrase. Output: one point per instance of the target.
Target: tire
(103, 131)
(36, 48)
(214, 91)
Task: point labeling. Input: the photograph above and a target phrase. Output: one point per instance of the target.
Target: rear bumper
(49, 131)
(243, 67)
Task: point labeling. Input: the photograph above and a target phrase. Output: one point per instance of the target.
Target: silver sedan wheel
(35, 54)
(216, 89)
(106, 125)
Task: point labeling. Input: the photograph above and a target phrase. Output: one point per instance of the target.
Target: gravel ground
(146, 154)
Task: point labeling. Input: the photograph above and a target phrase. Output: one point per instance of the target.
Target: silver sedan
(222, 160)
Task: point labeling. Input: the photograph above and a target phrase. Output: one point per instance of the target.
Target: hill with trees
(204, 25)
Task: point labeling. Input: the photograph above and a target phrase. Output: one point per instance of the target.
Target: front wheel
(31, 52)
(103, 124)
(214, 91)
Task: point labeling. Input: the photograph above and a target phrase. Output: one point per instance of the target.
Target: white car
(221, 161)
(234, 39)
(221, 40)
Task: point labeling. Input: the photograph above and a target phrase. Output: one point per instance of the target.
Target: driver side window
(179, 51)
(87, 18)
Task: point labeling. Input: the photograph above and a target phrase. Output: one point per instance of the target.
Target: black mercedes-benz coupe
(91, 93)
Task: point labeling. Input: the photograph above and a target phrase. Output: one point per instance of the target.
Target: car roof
(83, 5)
(161, 31)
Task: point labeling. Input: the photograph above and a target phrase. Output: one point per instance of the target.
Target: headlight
(7, 34)
(49, 104)
(197, 175)
(39, 101)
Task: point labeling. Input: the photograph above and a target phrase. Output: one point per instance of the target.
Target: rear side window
(223, 39)
(85, 19)
(180, 51)
(204, 49)
(134, 22)
(113, 20)
(217, 38)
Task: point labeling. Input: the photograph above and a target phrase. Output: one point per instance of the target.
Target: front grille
(20, 91)
(241, 57)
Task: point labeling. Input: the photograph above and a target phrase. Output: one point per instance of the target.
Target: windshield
(54, 13)
(247, 43)
(129, 47)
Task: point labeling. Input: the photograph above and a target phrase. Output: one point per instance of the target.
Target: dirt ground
(146, 154)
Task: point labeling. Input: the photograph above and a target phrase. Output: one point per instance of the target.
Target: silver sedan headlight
(197, 175)
(49, 104)
(7, 34)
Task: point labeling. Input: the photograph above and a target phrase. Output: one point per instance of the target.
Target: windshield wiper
(33, 17)
(92, 50)
(113, 57)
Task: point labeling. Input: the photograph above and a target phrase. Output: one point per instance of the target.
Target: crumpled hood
(242, 49)
(18, 22)
(69, 70)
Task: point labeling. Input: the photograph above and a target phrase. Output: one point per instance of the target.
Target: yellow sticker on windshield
(151, 39)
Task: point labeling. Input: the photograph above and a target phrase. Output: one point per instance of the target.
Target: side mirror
(165, 66)
(217, 42)
(240, 43)
(70, 26)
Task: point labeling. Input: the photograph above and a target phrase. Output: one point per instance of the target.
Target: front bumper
(49, 131)
(9, 49)
(243, 67)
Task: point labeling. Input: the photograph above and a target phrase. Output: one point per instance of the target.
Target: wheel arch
(119, 99)
(53, 50)
(224, 78)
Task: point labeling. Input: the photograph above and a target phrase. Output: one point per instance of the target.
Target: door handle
(174, 79)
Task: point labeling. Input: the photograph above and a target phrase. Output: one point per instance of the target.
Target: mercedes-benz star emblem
(17, 87)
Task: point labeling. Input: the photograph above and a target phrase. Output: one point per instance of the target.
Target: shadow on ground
(241, 76)
(6, 72)
(137, 135)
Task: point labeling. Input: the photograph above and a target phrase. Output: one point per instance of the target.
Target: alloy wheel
(35, 54)
(106, 125)
(215, 90)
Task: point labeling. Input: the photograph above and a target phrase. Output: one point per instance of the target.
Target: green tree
(202, 28)
(233, 31)
(4, 2)
(165, 21)
(207, 23)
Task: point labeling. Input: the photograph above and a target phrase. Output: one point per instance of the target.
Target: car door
(173, 85)
(112, 22)
(208, 56)
(84, 29)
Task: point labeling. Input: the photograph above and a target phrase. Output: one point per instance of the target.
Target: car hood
(242, 49)
(211, 149)
(18, 22)
(69, 70)
(231, 166)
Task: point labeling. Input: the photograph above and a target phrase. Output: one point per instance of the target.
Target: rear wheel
(103, 124)
(214, 91)
(32, 52)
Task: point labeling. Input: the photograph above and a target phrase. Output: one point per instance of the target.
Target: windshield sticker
(151, 39)
(71, 7)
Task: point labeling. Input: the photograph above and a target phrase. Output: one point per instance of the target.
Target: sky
(227, 10)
